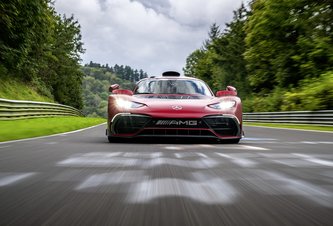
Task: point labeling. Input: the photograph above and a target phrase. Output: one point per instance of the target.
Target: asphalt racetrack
(273, 177)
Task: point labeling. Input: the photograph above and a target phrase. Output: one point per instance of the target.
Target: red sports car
(174, 106)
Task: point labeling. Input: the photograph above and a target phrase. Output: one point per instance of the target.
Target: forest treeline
(278, 54)
(124, 72)
(42, 49)
(96, 84)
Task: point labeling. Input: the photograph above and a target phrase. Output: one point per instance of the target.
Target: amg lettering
(174, 122)
(177, 123)
(192, 123)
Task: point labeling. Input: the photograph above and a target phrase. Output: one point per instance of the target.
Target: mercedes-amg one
(174, 106)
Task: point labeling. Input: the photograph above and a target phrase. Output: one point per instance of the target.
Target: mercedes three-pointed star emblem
(177, 107)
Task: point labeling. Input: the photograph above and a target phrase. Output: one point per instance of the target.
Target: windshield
(176, 86)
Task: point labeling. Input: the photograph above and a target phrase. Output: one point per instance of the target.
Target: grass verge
(16, 90)
(292, 126)
(27, 128)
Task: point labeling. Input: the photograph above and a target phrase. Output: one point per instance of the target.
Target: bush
(264, 102)
(313, 94)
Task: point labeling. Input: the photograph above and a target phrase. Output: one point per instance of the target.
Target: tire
(113, 139)
(230, 141)
(234, 141)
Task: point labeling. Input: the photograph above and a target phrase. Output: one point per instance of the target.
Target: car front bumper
(128, 125)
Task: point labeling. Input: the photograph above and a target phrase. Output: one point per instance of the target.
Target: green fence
(18, 109)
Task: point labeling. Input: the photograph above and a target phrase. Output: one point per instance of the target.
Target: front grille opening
(223, 126)
(129, 124)
(219, 122)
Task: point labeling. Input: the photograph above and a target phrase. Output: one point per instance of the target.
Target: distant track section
(324, 117)
(19, 109)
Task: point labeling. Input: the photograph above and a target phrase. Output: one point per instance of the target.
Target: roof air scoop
(171, 73)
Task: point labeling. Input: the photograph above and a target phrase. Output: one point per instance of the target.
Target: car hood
(183, 105)
(176, 107)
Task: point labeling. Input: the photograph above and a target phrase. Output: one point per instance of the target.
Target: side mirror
(230, 91)
(231, 88)
(113, 87)
(123, 91)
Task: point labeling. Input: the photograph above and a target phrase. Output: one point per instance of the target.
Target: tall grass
(16, 90)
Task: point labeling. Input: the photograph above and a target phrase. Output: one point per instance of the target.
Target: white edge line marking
(255, 148)
(53, 135)
(307, 130)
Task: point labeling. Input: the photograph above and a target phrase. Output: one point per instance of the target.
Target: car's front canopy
(173, 86)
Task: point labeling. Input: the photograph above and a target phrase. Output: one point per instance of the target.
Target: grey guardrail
(324, 117)
(18, 109)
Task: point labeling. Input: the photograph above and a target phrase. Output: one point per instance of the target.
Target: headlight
(223, 105)
(128, 104)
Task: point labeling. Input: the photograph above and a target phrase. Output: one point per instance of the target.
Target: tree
(288, 41)
(229, 66)
(272, 53)
(24, 28)
(213, 34)
(220, 61)
(66, 50)
(41, 48)
(199, 62)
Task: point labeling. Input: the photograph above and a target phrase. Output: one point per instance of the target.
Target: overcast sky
(153, 35)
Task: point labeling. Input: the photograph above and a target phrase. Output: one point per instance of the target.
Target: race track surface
(273, 177)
